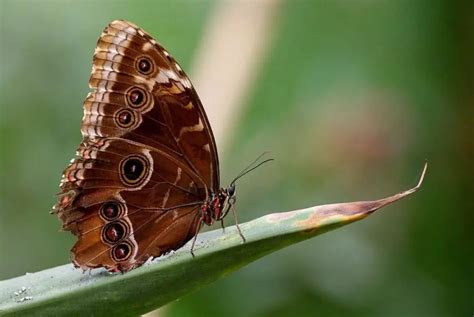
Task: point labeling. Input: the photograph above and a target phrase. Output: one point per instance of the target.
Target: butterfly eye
(144, 65)
(231, 190)
(133, 169)
(113, 232)
(121, 252)
(125, 118)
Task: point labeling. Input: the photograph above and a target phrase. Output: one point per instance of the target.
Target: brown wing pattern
(132, 70)
(147, 161)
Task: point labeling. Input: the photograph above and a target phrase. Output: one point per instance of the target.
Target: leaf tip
(344, 213)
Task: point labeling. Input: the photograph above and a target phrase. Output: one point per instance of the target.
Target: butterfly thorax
(218, 205)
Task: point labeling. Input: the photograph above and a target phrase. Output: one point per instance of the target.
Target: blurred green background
(351, 98)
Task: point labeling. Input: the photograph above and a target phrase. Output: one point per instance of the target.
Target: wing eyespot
(112, 210)
(144, 65)
(125, 118)
(134, 169)
(121, 252)
(113, 232)
(138, 98)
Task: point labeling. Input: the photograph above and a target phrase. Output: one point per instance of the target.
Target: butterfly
(146, 175)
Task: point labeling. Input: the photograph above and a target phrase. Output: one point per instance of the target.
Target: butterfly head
(230, 190)
(230, 197)
(220, 203)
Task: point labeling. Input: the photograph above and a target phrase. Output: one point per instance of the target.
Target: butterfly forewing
(148, 159)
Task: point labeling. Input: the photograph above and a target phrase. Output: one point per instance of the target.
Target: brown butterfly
(146, 175)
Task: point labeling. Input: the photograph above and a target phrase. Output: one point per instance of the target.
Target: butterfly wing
(132, 70)
(147, 161)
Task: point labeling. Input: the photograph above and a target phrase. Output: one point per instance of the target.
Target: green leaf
(66, 291)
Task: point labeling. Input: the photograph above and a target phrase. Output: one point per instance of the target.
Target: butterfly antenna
(248, 170)
(254, 161)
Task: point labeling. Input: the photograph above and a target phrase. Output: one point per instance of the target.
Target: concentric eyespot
(114, 232)
(144, 65)
(121, 252)
(134, 169)
(111, 210)
(137, 97)
(125, 118)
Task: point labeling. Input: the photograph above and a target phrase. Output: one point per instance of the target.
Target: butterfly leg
(222, 225)
(195, 236)
(237, 223)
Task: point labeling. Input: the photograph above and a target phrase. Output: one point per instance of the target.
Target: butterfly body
(218, 205)
(146, 175)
